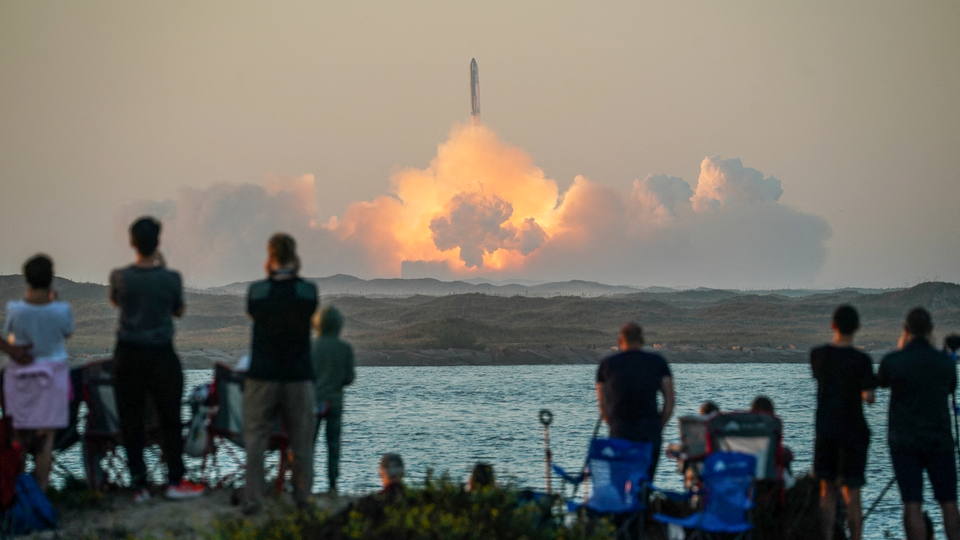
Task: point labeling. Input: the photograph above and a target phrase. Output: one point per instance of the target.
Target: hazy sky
(854, 107)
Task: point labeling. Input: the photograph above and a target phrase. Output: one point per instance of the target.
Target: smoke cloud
(482, 208)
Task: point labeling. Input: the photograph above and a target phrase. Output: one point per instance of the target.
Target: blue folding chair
(619, 472)
(727, 493)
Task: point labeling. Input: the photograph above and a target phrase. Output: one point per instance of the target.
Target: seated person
(371, 507)
(391, 475)
(708, 407)
(763, 404)
(481, 477)
(950, 345)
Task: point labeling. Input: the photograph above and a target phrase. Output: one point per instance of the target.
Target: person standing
(627, 387)
(921, 379)
(845, 380)
(38, 393)
(145, 363)
(280, 378)
(333, 369)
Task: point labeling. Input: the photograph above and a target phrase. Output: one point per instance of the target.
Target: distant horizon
(534, 283)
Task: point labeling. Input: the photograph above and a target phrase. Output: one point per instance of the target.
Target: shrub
(438, 510)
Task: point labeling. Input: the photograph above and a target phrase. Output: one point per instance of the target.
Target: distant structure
(474, 93)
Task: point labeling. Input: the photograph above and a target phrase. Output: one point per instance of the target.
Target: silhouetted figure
(38, 408)
(762, 404)
(708, 407)
(333, 369)
(921, 379)
(627, 387)
(481, 477)
(845, 380)
(391, 476)
(279, 382)
(149, 297)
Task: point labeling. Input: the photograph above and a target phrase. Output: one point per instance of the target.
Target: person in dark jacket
(921, 379)
(333, 368)
(280, 379)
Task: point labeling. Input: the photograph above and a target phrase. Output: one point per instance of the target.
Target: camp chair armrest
(673, 495)
(575, 480)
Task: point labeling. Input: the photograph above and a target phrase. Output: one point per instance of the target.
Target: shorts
(941, 469)
(840, 461)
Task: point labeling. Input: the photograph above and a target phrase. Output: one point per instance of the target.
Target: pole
(586, 460)
(877, 500)
(546, 417)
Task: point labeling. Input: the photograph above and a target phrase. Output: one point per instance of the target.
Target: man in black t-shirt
(921, 379)
(627, 386)
(844, 380)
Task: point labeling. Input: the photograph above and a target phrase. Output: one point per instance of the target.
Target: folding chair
(65, 438)
(619, 473)
(727, 497)
(101, 438)
(757, 434)
(225, 432)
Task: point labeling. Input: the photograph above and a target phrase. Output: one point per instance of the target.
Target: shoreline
(520, 356)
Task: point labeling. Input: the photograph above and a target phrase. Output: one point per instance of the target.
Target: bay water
(445, 419)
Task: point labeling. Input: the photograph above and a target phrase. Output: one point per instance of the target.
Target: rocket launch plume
(482, 208)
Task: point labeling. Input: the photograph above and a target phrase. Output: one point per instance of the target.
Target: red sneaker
(185, 490)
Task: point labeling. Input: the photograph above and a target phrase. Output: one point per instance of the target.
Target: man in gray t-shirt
(149, 296)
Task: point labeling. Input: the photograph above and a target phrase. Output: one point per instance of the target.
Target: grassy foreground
(439, 509)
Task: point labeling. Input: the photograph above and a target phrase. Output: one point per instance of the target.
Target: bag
(196, 441)
(32, 510)
(10, 456)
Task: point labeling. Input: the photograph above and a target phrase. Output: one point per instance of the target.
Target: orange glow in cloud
(481, 203)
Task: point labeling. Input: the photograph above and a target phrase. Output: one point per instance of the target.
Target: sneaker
(141, 496)
(184, 490)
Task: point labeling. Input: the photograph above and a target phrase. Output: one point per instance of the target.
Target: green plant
(439, 509)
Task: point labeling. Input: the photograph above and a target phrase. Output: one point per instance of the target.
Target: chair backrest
(728, 487)
(103, 419)
(757, 434)
(70, 435)
(693, 435)
(619, 469)
(228, 394)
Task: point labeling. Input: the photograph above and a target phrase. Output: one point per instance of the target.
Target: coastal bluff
(428, 322)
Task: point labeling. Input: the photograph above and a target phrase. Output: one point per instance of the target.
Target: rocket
(474, 93)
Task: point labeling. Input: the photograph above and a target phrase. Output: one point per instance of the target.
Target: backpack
(196, 440)
(32, 510)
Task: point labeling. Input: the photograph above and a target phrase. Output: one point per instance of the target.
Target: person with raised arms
(279, 382)
(145, 363)
(921, 380)
(845, 380)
